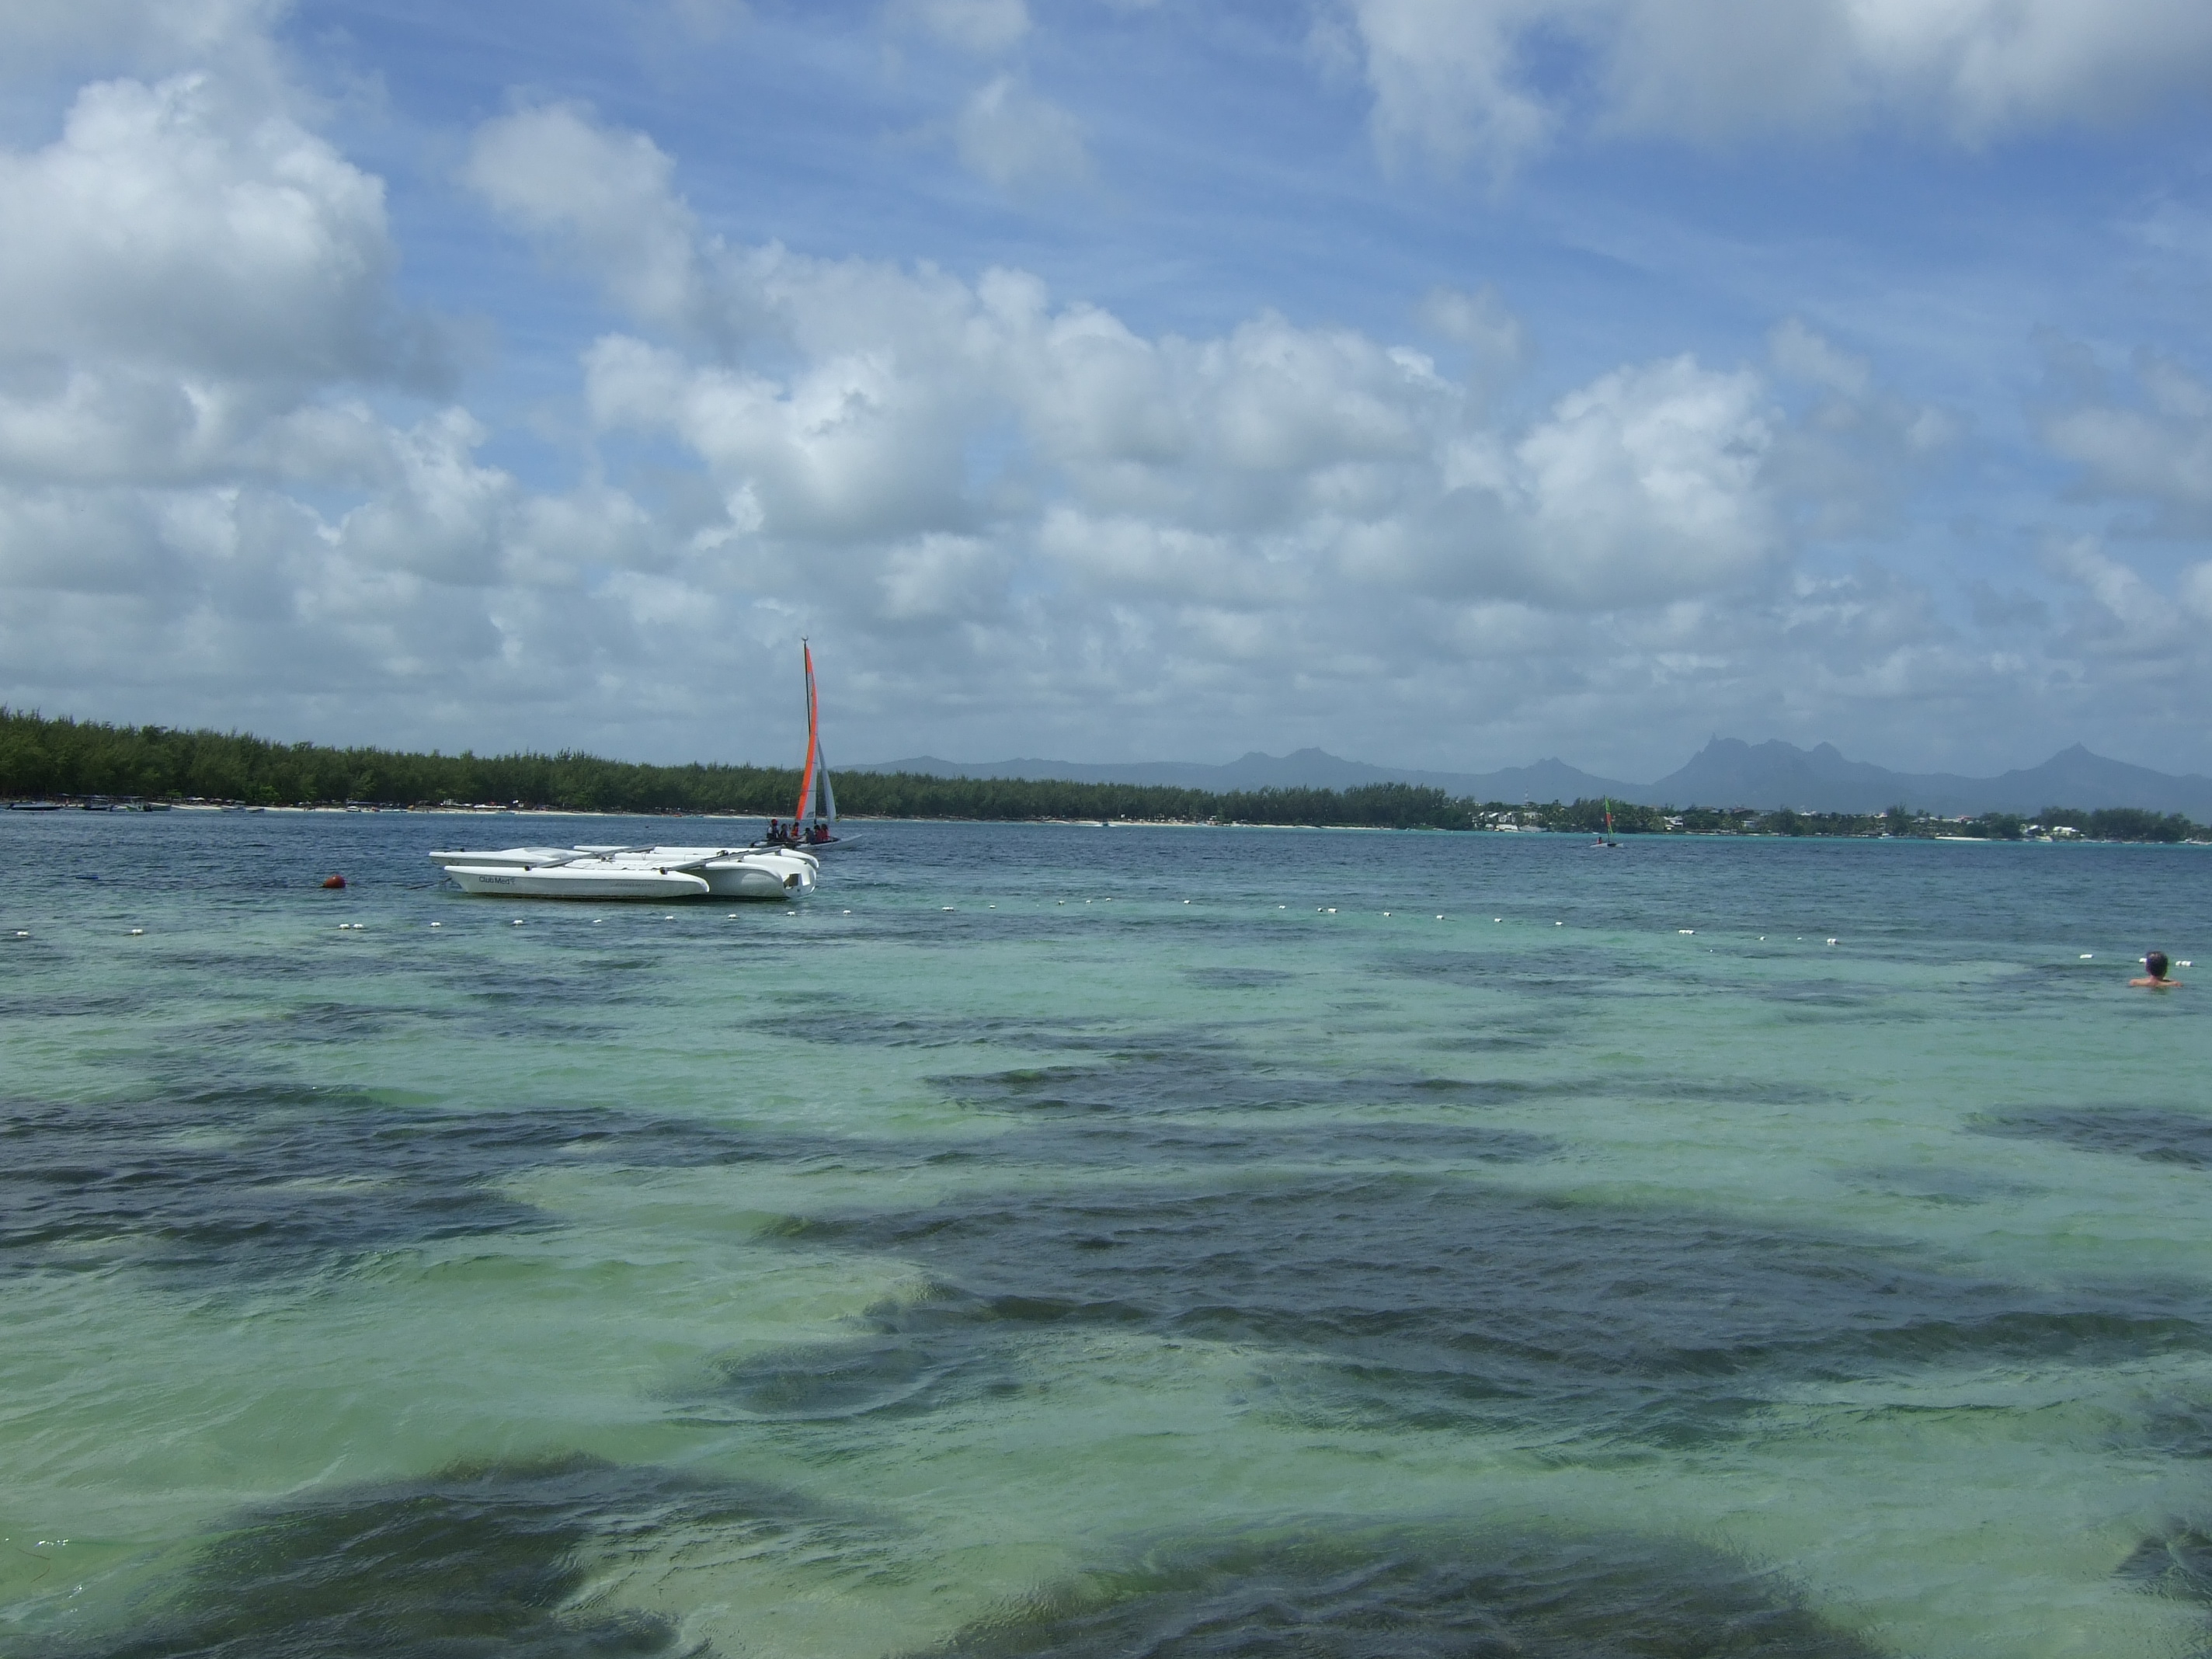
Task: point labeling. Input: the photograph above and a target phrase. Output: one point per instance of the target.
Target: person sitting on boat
(775, 832)
(2154, 966)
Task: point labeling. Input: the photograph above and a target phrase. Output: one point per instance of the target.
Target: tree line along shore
(46, 759)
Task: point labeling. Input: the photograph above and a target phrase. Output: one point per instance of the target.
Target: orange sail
(813, 742)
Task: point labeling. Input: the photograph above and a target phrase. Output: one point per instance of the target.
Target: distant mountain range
(1726, 772)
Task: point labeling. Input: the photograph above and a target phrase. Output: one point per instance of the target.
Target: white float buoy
(440, 924)
(948, 907)
(1686, 932)
(136, 932)
(2085, 956)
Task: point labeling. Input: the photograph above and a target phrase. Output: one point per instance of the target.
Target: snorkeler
(2155, 977)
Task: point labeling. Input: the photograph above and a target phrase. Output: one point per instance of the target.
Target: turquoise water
(1058, 1239)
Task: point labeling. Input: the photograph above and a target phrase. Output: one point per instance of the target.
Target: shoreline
(50, 804)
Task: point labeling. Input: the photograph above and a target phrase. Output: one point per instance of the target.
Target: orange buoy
(333, 881)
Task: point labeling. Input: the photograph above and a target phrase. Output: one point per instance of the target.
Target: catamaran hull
(756, 881)
(661, 873)
(569, 883)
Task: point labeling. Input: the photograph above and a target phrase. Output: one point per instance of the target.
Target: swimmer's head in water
(2154, 964)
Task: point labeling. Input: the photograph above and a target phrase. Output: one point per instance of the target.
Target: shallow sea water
(1060, 1240)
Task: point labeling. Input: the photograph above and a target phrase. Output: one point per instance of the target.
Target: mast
(813, 739)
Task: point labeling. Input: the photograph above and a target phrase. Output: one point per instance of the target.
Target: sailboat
(817, 800)
(1607, 840)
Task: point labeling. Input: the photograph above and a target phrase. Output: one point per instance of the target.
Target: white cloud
(151, 37)
(54, 538)
(605, 199)
(1849, 460)
(1497, 343)
(921, 452)
(2196, 591)
(223, 488)
(196, 497)
(945, 578)
(1459, 79)
(847, 447)
(439, 515)
(1803, 354)
(1017, 141)
(166, 228)
(975, 485)
(1647, 485)
(195, 290)
(1250, 468)
(2156, 450)
(985, 28)
(1446, 78)
(2125, 618)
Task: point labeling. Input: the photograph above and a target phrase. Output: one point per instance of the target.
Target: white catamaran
(640, 873)
(783, 867)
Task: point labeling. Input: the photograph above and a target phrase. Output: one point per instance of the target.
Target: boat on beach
(634, 872)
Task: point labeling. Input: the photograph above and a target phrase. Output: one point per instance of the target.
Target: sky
(1444, 383)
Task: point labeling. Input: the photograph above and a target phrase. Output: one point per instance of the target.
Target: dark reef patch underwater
(1440, 1301)
(2158, 1134)
(259, 1179)
(477, 1561)
(1417, 1594)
